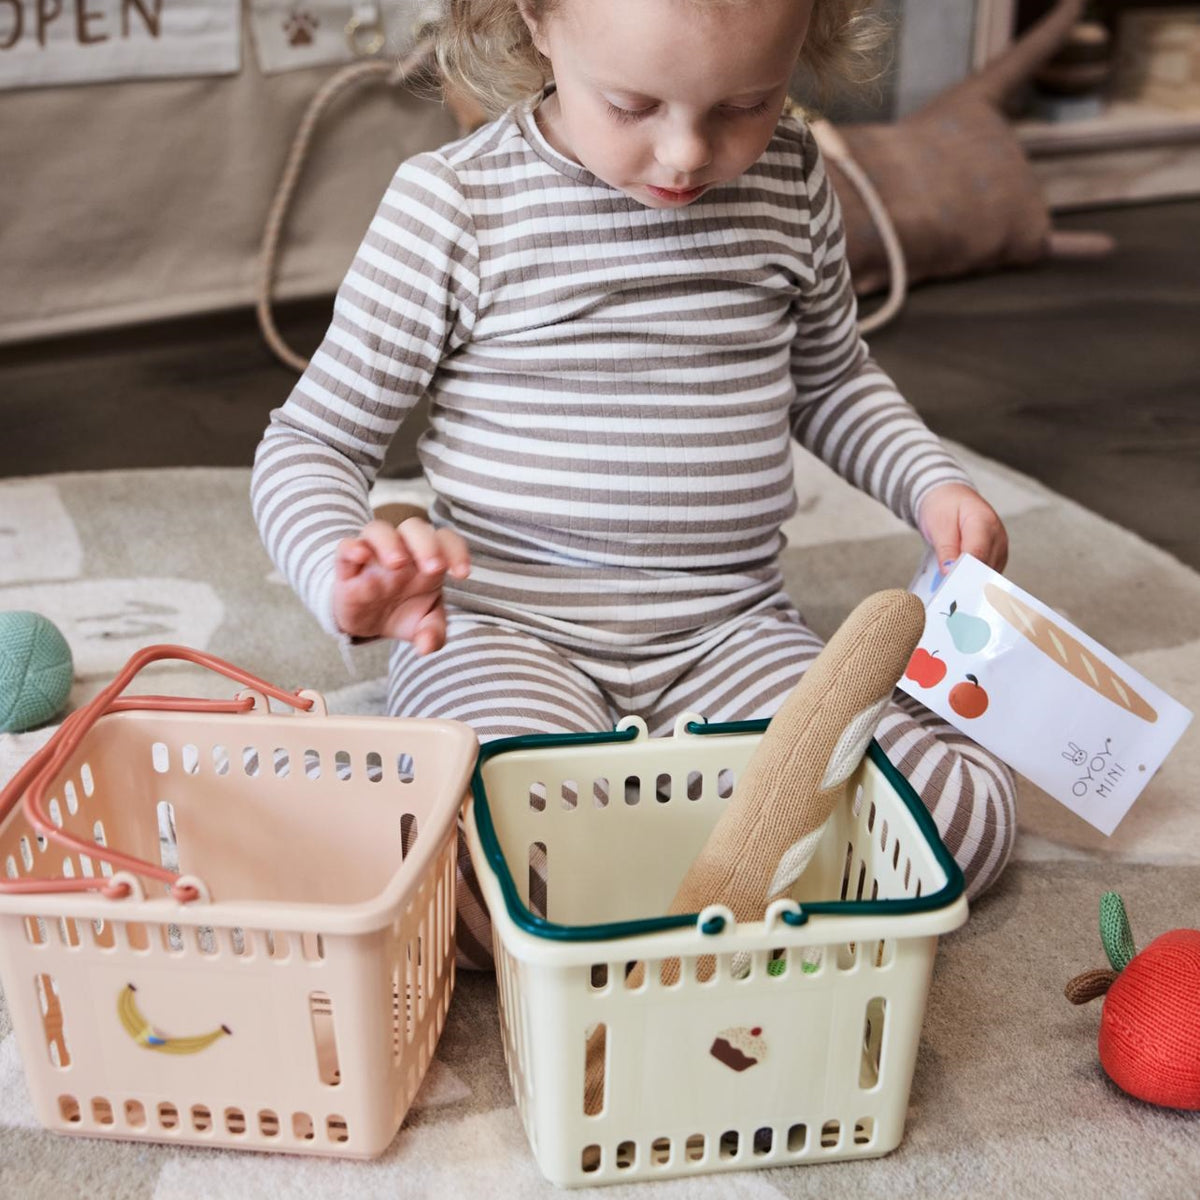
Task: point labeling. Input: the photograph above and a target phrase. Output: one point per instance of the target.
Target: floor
(1085, 375)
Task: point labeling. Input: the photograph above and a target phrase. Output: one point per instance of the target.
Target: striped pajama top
(614, 389)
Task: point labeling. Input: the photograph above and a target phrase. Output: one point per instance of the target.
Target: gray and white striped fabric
(505, 681)
(614, 392)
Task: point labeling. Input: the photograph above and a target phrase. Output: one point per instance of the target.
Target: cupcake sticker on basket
(740, 1047)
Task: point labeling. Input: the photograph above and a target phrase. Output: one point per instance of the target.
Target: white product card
(1047, 699)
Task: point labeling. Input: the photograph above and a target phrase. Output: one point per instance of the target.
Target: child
(625, 296)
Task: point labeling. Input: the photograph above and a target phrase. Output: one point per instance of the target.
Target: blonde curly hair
(484, 46)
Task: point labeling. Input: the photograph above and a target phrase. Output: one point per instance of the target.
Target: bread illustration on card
(1074, 658)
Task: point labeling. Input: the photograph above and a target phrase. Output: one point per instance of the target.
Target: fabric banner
(86, 41)
(289, 34)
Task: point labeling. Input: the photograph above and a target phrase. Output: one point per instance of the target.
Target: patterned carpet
(1008, 1098)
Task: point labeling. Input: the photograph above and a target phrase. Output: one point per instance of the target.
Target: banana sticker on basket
(147, 1035)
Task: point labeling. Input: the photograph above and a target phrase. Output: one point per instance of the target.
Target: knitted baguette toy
(767, 834)
(771, 827)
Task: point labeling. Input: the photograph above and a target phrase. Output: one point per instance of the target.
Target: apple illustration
(969, 634)
(1149, 1035)
(968, 699)
(926, 669)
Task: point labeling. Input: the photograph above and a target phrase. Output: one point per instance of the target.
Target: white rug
(1008, 1098)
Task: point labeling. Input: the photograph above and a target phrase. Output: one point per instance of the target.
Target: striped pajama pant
(504, 680)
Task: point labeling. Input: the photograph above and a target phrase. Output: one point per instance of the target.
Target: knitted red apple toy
(1150, 1026)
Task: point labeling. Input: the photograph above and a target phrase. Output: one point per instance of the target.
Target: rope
(897, 266)
(835, 149)
(394, 74)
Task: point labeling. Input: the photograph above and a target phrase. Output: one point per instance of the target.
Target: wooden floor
(1085, 375)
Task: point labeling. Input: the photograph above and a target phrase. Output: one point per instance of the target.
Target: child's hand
(955, 519)
(388, 581)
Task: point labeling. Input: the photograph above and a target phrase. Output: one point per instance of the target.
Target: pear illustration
(969, 634)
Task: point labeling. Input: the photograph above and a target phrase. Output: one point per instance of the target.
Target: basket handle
(31, 781)
(716, 919)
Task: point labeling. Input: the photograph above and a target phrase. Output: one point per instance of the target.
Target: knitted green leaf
(1115, 932)
(778, 966)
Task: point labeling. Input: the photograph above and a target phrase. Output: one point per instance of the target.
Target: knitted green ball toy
(35, 671)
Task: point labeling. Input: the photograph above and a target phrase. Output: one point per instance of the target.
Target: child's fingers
(984, 537)
(376, 588)
(946, 542)
(938, 521)
(352, 555)
(457, 556)
(996, 555)
(386, 543)
(421, 540)
(429, 632)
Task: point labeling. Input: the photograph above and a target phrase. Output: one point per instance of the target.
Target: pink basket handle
(31, 781)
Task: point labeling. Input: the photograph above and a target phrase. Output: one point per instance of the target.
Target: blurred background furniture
(1142, 140)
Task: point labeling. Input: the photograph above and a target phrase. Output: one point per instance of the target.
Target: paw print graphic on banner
(291, 34)
(299, 27)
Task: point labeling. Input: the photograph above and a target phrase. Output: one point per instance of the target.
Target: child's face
(665, 98)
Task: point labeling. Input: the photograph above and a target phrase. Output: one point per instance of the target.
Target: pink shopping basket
(224, 924)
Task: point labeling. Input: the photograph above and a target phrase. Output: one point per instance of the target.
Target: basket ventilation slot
(595, 1074)
(872, 1052)
(52, 1021)
(408, 833)
(539, 879)
(325, 1037)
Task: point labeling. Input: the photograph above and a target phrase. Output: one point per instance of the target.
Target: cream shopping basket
(287, 989)
(798, 1048)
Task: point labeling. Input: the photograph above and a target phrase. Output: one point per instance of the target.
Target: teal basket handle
(794, 917)
(716, 919)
